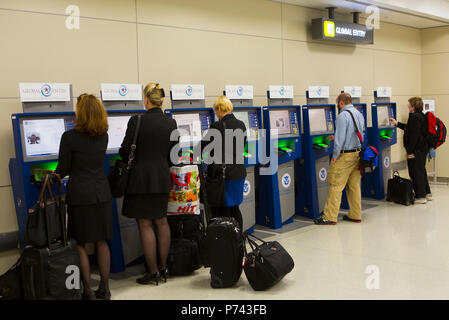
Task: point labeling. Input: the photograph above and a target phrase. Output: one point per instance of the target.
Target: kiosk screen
(280, 120)
(383, 116)
(117, 130)
(317, 118)
(41, 137)
(251, 123)
(190, 127)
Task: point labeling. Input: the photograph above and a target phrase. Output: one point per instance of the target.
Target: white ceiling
(414, 13)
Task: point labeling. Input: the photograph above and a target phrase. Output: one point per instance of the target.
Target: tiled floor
(408, 246)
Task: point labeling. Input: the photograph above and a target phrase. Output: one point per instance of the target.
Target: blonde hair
(154, 93)
(91, 118)
(223, 104)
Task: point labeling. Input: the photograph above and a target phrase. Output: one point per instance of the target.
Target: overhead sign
(384, 92)
(43, 92)
(239, 92)
(281, 92)
(318, 92)
(187, 92)
(355, 92)
(119, 92)
(330, 29)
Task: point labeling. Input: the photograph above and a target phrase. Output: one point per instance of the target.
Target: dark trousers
(418, 174)
(230, 212)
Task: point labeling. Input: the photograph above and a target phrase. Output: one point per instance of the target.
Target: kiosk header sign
(121, 92)
(281, 92)
(239, 92)
(355, 92)
(43, 92)
(384, 92)
(318, 92)
(329, 29)
(187, 91)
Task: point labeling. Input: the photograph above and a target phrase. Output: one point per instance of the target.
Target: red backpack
(435, 130)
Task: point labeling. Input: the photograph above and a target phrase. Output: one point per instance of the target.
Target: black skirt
(90, 223)
(145, 206)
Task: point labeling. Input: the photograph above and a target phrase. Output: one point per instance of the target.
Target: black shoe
(164, 274)
(103, 294)
(89, 296)
(346, 218)
(322, 221)
(149, 278)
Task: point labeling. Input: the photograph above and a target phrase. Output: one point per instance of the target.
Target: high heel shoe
(149, 278)
(164, 274)
(103, 294)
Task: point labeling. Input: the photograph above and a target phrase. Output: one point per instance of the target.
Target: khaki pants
(344, 173)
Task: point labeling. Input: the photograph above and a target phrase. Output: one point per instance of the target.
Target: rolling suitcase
(400, 190)
(52, 272)
(225, 251)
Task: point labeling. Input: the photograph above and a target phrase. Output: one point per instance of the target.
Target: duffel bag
(267, 264)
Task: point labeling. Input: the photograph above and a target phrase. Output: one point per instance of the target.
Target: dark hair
(416, 103)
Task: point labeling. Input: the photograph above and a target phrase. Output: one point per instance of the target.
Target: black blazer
(82, 158)
(150, 171)
(233, 171)
(414, 139)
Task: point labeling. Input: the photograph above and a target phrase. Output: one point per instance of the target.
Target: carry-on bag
(184, 257)
(225, 251)
(185, 190)
(45, 217)
(11, 285)
(400, 190)
(118, 177)
(52, 272)
(267, 264)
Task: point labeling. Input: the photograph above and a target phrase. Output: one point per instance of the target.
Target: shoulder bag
(118, 177)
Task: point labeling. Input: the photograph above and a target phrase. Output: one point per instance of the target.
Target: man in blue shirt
(344, 168)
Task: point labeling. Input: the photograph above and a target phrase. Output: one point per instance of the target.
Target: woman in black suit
(235, 171)
(81, 156)
(146, 197)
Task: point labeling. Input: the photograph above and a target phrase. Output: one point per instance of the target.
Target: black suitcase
(184, 257)
(400, 190)
(225, 251)
(46, 272)
(187, 231)
(267, 264)
(52, 272)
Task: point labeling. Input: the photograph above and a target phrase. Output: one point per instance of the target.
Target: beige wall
(435, 82)
(214, 42)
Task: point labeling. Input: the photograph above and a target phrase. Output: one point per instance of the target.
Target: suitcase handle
(396, 174)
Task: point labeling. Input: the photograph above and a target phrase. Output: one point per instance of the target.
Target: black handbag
(267, 264)
(44, 218)
(400, 190)
(11, 285)
(118, 177)
(215, 183)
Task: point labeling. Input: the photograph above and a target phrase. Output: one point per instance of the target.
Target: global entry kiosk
(274, 192)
